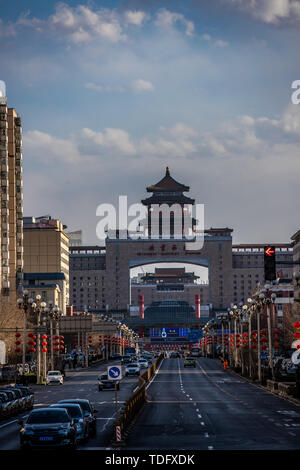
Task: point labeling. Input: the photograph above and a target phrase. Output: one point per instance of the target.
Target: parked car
(22, 402)
(13, 400)
(54, 377)
(88, 410)
(28, 394)
(105, 383)
(48, 427)
(77, 414)
(132, 369)
(5, 406)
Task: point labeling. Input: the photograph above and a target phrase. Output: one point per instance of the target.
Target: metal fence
(136, 401)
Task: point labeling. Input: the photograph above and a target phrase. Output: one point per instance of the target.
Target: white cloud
(140, 85)
(104, 88)
(214, 42)
(135, 17)
(50, 150)
(167, 19)
(270, 11)
(116, 140)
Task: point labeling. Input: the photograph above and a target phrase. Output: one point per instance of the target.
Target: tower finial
(167, 171)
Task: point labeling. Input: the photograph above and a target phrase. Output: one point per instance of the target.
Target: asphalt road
(78, 384)
(208, 409)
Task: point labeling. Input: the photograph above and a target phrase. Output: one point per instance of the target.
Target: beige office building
(11, 198)
(46, 260)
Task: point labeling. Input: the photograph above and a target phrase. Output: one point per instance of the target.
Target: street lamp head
(235, 307)
(47, 309)
(273, 296)
(249, 300)
(267, 287)
(25, 292)
(19, 302)
(43, 305)
(33, 305)
(55, 309)
(38, 297)
(245, 308)
(261, 296)
(31, 300)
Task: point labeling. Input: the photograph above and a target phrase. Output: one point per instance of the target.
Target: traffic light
(270, 263)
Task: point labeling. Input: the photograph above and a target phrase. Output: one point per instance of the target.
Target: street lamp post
(38, 308)
(24, 303)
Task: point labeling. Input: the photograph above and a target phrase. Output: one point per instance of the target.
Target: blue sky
(112, 92)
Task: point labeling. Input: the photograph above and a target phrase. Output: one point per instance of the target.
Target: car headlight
(28, 432)
(63, 432)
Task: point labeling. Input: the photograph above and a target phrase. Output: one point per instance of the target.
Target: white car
(143, 363)
(133, 369)
(54, 377)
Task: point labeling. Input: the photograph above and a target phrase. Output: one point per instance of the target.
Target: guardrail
(134, 403)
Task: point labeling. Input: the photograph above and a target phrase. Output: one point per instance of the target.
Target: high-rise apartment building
(46, 260)
(11, 198)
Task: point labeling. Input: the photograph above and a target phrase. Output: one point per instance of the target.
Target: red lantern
(62, 348)
(297, 335)
(18, 342)
(30, 335)
(263, 332)
(44, 350)
(296, 324)
(44, 343)
(44, 337)
(276, 332)
(17, 350)
(18, 335)
(264, 347)
(263, 340)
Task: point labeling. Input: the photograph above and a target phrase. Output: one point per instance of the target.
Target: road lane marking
(7, 424)
(156, 372)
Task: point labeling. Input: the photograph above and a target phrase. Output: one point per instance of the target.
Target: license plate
(46, 438)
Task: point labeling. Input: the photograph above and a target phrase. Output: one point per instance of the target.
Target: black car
(76, 412)
(22, 402)
(48, 427)
(105, 382)
(88, 410)
(12, 399)
(174, 354)
(5, 406)
(126, 359)
(116, 356)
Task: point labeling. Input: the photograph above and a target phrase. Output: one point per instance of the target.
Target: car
(54, 377)
(88, 410)
(143, 363)
(116, 356)
(12, 399)
(174, 354)
(77, 414)
(5, 406)
(28, 394)
(126, 359)
(104, 382)
(48, 427)
(133, 369)
(22, 402)
(189, 362)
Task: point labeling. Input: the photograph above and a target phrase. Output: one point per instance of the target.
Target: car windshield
(84, 405)
(54, 373)
(103, 377)
(10, 395)
(74, 411)
(48, 416)
(133, 365)
(18, 393)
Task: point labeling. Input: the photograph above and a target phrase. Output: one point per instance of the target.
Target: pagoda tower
(168, 192)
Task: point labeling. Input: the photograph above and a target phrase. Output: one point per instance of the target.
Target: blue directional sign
(114, 372)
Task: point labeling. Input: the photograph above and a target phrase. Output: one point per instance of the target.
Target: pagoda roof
(167, 184)
(168, 199)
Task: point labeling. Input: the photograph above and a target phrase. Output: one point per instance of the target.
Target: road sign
(296, 357)
(114, 372)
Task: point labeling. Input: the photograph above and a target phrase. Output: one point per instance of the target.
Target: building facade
(46, 260)
(11, 198)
